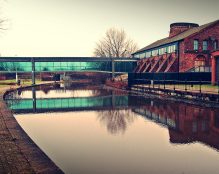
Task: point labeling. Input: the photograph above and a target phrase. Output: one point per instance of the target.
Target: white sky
(72, 27)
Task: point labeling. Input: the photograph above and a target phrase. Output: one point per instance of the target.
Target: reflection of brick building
(186, 123)
(188, 48)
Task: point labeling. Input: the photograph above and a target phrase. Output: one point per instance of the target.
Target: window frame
(195, 44)
(205, 45)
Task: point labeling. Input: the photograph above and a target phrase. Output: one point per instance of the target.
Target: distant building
(188, 48)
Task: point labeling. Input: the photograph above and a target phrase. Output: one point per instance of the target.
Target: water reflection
(116, 121)
(117, 110)
(34, 100)
(145, 131)
(186, 123)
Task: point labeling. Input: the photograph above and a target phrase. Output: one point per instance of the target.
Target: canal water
(92, 130)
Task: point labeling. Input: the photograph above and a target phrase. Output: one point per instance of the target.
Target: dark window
(195, 44)
(205, 45)
(215, 45)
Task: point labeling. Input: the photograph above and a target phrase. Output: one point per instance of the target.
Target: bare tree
(3, 21)
(116, 121)
(115, 44)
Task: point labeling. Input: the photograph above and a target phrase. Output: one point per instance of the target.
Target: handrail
(199, 67)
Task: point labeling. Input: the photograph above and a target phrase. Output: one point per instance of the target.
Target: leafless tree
(3, 21)
(115, 44)
(116, 121)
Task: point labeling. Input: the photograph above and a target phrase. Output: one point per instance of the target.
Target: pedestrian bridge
(97, 103)
(66, 64)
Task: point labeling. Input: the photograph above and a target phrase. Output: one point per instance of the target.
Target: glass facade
(66, 66)
(15, 66)
(171, 48)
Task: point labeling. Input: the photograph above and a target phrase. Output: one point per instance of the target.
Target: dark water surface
(91, 130)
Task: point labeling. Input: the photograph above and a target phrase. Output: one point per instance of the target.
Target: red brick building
(188, 48)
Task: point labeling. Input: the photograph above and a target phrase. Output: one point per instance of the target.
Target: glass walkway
(65, 64)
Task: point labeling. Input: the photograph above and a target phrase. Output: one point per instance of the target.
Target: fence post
(218, 91)
(200, 87)
(164, 87)
(149, 85)
(158, 84)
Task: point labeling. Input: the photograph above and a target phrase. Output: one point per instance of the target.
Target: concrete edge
(200, 103)
(38, 160)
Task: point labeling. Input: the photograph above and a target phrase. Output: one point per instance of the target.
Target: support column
(34, 98)
(33, 71)
(113, 68)
(213, 71)
(113, 100)
(16, 76)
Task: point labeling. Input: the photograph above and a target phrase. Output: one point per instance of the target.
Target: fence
(169, 78)
(186, 85)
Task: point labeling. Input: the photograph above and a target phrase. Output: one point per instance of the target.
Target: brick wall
(187, 53)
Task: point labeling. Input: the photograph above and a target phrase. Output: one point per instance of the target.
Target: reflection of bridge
(66, 64)
(70, 104)
(186, 123)
(67, 104)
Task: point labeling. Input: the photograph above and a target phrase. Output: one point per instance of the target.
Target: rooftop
(178, 37)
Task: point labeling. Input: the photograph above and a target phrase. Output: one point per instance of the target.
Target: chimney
(177, 28)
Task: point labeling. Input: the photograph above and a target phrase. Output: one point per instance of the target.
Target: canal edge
(26, 156)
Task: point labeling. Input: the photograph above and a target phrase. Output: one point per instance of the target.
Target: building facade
(188, 48)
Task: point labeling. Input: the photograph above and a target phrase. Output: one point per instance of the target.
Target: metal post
(113, 68)
(113, 100)
(33, 71)
(34, 99)
(218, 91)
(200, 87)
(186, 85)
(218, 87)
(16, 76)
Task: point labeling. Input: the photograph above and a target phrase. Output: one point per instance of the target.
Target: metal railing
(189, 89)
(201, 69)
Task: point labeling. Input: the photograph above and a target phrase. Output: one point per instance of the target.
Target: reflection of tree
(116, 121)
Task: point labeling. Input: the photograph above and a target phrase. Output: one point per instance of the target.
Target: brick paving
(18, 153)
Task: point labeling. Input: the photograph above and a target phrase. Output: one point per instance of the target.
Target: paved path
(18, 153)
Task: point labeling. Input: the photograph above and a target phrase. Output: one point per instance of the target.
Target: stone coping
(18, 152)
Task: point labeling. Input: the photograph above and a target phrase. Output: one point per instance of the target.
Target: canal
(89, 129)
